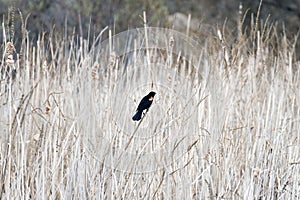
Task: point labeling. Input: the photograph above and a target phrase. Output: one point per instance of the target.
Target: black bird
(144, 105)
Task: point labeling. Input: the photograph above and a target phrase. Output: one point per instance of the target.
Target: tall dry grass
(224, 124)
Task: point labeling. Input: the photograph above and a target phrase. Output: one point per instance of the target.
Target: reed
(224, 124)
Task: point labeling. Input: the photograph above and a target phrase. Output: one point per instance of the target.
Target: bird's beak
(151, 98)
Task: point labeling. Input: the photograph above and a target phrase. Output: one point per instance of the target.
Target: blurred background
(119, 15)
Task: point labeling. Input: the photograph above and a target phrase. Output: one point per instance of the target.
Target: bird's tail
(137, 116)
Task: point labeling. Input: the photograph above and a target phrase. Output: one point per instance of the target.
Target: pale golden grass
(243, 109)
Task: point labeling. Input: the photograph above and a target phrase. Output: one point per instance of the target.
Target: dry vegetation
(224, 124)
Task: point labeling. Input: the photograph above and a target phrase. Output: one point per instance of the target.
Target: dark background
(120, 15)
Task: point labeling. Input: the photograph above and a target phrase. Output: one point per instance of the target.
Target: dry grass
(224, 124)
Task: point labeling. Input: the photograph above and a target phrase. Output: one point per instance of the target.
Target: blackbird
(143, 105)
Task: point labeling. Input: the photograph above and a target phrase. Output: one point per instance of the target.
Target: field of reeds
(224, 124)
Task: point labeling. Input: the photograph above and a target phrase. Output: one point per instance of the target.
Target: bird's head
(151, 95)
